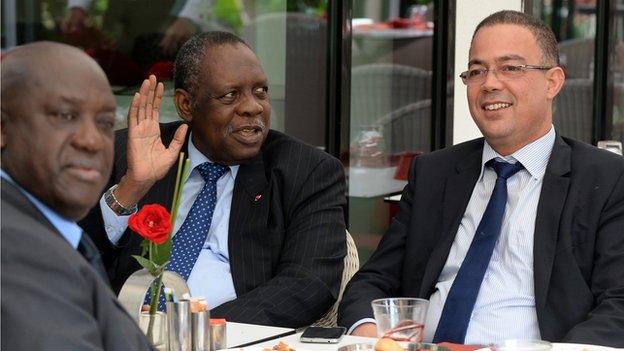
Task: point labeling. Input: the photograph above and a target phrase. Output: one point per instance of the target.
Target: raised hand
(148, 158)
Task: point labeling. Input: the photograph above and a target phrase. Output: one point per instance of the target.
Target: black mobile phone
(323, 335)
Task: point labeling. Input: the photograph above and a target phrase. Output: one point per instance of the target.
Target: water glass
(401, 319)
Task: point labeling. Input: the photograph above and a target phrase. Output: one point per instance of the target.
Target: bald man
(57, 150)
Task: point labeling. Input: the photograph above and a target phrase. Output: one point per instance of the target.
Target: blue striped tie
(465, 289)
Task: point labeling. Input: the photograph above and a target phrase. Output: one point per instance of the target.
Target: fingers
(178, 140)
(143, 92)
(146, 103)
(133, 112)
(160, 91)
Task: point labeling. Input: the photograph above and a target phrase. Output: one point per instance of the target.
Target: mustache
(256, 124)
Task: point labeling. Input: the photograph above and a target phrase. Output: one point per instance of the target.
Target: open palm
(148, 158)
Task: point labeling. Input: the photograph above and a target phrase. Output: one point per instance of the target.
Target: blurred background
(373, 82)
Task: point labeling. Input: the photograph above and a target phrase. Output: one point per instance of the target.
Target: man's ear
(184, 104)
(556, 78)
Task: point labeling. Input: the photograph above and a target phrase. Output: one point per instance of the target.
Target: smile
(496, 106)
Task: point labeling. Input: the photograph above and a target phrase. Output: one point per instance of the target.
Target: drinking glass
(401, 319)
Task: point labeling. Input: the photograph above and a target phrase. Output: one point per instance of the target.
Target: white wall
(469, 14)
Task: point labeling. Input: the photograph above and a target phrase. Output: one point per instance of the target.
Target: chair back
(351, 265)
(378, 89)
(408, 128)
(572, 112)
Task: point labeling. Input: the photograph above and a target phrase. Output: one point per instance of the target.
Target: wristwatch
(114, 205)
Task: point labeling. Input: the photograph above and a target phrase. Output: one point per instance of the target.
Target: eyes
(69, 117)
(506, 69)
(261, 93)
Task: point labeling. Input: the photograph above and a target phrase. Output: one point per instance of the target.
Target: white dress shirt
(211, 276)
(505, 306)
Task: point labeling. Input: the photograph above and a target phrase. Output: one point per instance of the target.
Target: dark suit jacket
(578, 247)
(52, 299)
(286, 249)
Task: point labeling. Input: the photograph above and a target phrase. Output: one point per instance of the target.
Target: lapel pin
(258, 198)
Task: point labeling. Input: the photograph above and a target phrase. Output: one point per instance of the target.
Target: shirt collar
(67, 228)
(534, 156)
(196, 158)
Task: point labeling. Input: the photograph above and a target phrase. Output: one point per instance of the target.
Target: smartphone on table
(323, 335)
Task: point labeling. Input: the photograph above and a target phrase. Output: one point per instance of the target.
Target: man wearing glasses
(517, 235)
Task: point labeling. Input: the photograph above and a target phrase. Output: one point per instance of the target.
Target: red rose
(152, 222)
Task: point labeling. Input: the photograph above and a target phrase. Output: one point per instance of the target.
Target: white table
(239, 333)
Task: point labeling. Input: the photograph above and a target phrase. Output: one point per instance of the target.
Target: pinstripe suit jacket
(578, 252)
(286, 249)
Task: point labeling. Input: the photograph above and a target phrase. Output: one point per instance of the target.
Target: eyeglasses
(507, 72)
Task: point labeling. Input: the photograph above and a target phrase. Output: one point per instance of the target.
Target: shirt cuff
(114, 224)
(360, 322)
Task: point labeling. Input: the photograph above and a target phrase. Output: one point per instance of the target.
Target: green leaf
(150, 266)
(160, 253)
(144, 247)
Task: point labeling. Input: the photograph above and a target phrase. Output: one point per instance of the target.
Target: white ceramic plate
(571, 347)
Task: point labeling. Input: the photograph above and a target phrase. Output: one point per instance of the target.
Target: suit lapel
(457, 191)
(250, 208)
(21, 201)
(551, 202)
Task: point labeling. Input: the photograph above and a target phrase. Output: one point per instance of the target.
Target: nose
(491, 82)
(249, 105)
(88, 137)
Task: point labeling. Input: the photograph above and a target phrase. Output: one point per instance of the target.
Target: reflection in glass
(391, 78)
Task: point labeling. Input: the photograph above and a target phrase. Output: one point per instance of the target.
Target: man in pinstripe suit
(555, 267)
(274, 249)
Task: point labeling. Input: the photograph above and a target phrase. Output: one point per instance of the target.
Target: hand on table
(148, 158)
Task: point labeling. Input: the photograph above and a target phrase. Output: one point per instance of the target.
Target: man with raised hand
(260, 230)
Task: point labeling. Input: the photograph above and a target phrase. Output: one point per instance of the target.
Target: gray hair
(187, 68)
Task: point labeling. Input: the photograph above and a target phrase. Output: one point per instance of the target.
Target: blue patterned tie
(465, 289)
(190, 238)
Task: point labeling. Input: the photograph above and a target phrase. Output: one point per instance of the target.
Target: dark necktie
(465, 289)
(190, 238)
(89, 251)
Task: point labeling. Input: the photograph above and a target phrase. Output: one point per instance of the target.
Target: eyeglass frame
(523, 68)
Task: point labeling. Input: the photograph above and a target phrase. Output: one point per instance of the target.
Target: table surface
(240, 333)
